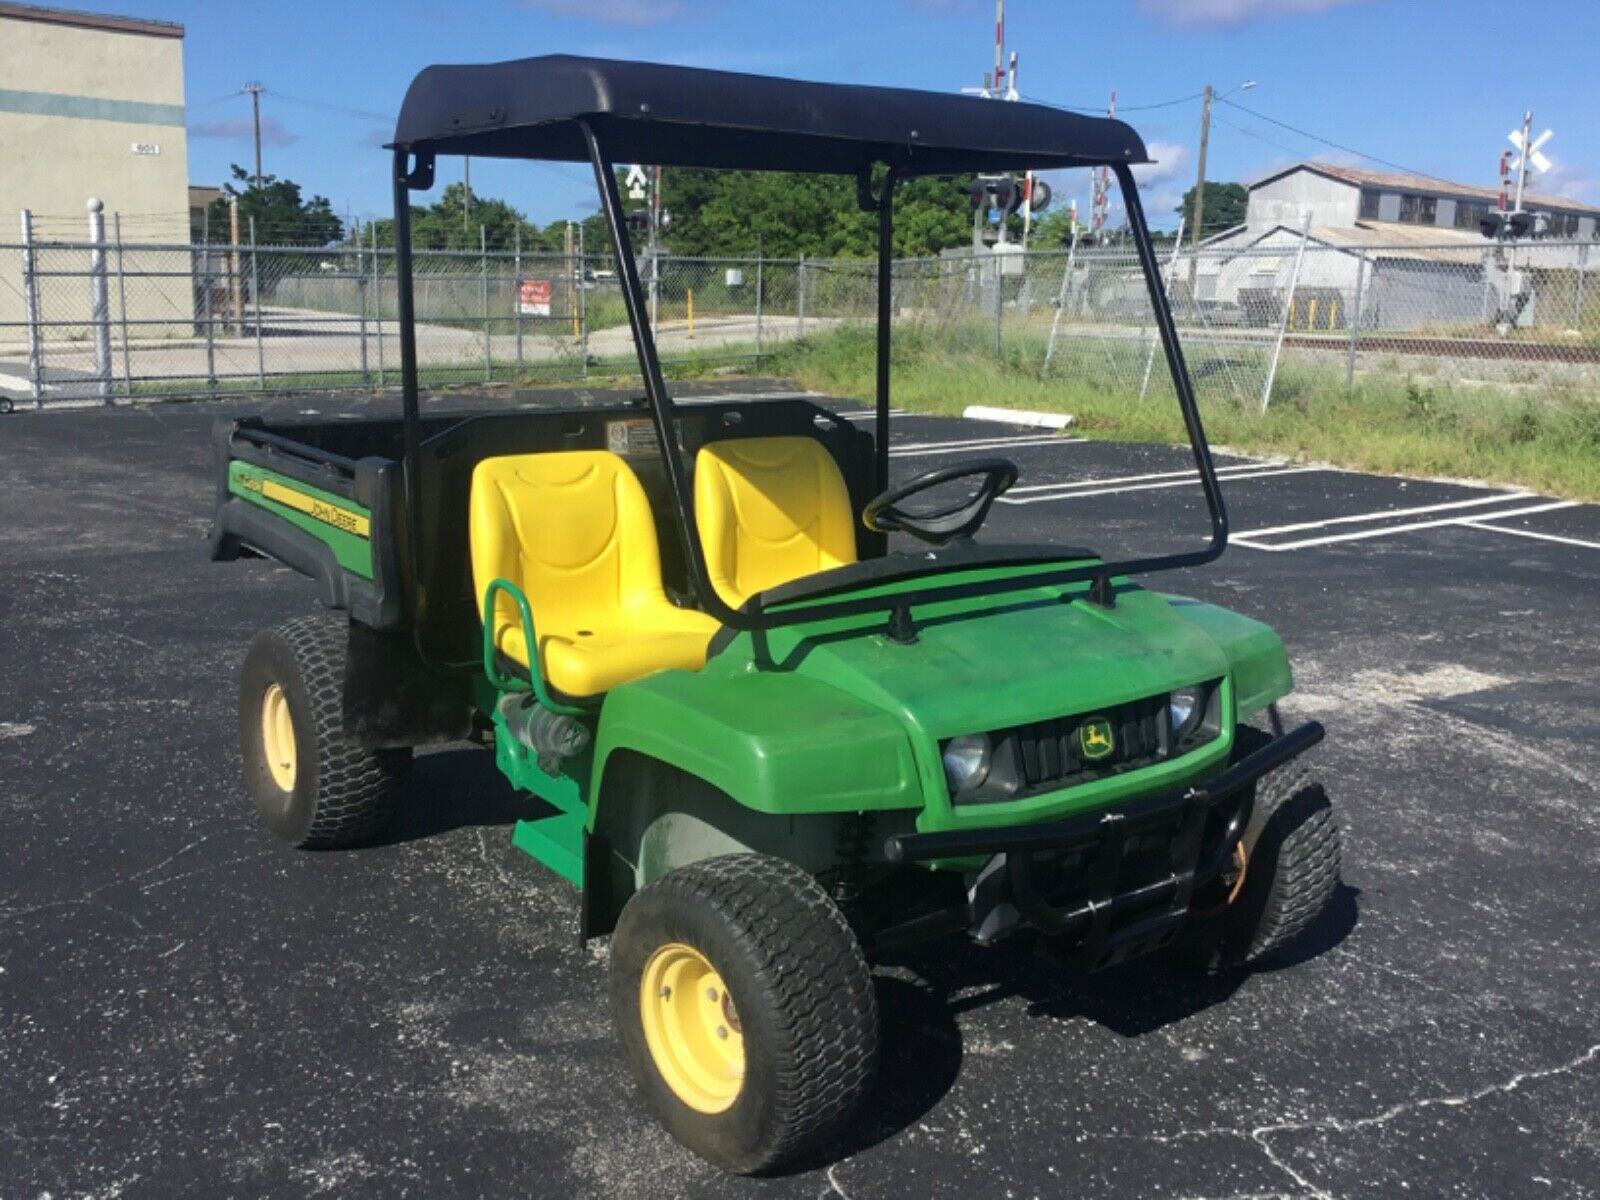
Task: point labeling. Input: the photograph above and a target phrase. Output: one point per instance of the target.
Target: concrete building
(90, 106)
(1406, 249)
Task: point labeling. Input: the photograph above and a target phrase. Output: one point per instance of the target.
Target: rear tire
(1292, 860)
(762, 1080)
(313, 786)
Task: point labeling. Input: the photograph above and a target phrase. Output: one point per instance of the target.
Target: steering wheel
(883, 513)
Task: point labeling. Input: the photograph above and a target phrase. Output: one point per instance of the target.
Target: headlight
(966, 761)
(1185, 708)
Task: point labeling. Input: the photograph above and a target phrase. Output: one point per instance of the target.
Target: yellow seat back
(575, 532)
(770, 510)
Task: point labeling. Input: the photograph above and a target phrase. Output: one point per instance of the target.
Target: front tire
(745, 1009)
(313, 786)
(1291, 857)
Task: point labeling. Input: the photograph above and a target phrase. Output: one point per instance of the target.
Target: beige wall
(102, 91)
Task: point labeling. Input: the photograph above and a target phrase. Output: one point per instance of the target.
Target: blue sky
(1429, 85)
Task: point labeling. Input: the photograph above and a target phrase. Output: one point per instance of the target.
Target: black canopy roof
(687, 116)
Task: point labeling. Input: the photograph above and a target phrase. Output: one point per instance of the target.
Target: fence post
(1166, 289)
(361, 304)
(516, 293)
(205, 299)
(800, 300)
(583, 309)
(999, 302)
(1288, 312)
(1355, 321)
(255, 303)
(1577, 288)
(483, 259)
(30, 294)
(99, 300)
(759, 281)
(122, 305)
(1061, 297)
(377, 298)
(235, 300)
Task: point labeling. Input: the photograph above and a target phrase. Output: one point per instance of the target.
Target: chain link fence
(102, 319)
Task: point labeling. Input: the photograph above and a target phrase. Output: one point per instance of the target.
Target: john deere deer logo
(1095, 738)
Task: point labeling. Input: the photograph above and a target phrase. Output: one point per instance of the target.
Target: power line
(1099, 109)
(217, 99)
(1306, 133)
(359, 114)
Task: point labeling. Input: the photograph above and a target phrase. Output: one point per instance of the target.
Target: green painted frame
(491, 670)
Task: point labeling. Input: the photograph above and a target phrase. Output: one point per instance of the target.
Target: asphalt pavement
(187, 1008)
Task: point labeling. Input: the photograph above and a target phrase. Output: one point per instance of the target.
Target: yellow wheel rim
(277, 737)
(692, 1028)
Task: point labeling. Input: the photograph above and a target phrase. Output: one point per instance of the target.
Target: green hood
(1008, 660)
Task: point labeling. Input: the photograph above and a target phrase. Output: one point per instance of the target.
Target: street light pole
(1200, 177)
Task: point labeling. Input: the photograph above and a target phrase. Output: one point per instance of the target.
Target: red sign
(533, 297)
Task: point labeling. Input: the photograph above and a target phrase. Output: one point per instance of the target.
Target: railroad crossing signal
(1530, 150)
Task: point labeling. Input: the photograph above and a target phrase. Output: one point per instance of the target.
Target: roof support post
(406, 178)
(1181, 382)
(655, 387)
(885, 207)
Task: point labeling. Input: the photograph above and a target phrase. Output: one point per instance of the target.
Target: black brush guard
(1111, 919)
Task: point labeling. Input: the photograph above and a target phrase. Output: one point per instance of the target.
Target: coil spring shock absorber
(852, 842)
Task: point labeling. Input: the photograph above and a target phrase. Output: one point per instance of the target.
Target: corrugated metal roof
(1395, 181)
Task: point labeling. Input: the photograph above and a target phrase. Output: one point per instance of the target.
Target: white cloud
(1168, 160)
(613, 12)
(1565, 181)
(1235, 12)
(272, 131)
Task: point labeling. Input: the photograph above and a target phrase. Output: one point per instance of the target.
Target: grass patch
(1547, 440)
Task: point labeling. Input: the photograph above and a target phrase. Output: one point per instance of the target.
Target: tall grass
(1547, 440)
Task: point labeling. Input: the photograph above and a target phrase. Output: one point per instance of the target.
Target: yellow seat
(574, 531)
(770, 510)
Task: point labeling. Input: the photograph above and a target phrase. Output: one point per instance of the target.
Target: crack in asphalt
(1260, 1134)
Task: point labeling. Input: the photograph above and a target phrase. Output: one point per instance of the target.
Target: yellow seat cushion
(770, 510)
(574, 531)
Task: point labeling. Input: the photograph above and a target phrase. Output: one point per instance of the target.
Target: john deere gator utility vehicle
(768, 749)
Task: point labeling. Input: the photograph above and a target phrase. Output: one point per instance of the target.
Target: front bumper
(1109, 886)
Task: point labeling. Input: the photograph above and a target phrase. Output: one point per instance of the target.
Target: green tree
(732, 212)
(1225, 207)
(452, 222)
(280, 212)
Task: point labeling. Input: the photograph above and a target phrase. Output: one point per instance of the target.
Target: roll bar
(415, 173)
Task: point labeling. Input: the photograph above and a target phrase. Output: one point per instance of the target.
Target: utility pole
(1200, 190)
(254, 88)
(466, 184)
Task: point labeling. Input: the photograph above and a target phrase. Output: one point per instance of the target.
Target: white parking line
(1193, 480)
(1385, 513)
(1482, 523)
(1188, 473)
(998, 443)
(1362, 534)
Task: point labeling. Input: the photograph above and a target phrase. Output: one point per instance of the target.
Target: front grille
(1050, 752)
(1045, 756)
